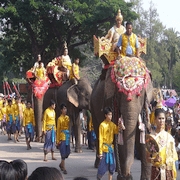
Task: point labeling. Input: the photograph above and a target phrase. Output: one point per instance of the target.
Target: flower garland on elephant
(130, 76)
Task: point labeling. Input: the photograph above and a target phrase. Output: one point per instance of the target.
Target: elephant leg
(145, 166)
(77, 133)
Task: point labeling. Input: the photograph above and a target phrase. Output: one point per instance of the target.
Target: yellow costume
(152, 118)
(40, 73)
(1, 104)
(74, 71)
(167, 152)
(126, 42)
(66, 62)
(17, 109)
(49, 120)
(107, 129)
(63, 123)
(28, 117)
(91, 127)
(3, 112)
(9, 111)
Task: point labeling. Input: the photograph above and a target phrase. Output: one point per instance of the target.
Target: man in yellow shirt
(28, 124)
(10, 120)
(40, 72)
(49, 128)
(128, 43)
(18, 118)
(63, 136)
(107, 129)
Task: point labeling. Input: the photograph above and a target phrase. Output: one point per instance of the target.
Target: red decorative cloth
(40, 87)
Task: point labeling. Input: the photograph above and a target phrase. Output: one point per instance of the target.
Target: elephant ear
(72, 95)
(109, 88)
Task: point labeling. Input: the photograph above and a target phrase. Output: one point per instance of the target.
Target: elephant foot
(120, 177)
(78, 150)
(129, 177)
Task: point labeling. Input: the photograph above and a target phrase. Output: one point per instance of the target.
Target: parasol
(170, 102)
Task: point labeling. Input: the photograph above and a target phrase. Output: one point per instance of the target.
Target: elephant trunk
(38, 104)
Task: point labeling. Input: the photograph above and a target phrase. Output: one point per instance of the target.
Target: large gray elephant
(76, 98)
(105, 93)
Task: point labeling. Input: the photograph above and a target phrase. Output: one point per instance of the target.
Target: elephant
(104, 94)
(76, 97)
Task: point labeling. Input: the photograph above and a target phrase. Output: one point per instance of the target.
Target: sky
(168, 10)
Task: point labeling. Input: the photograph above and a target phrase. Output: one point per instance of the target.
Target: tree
(50, 23)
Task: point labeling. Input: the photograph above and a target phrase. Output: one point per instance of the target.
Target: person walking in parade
(17, 109)
(10, 119)
(29, 124)
(63, 136)
(107, 129)
(49, 128)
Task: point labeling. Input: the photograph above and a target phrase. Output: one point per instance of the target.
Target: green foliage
(163, 46)
(33, 27)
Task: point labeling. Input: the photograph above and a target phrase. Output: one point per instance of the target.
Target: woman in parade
(162, 158)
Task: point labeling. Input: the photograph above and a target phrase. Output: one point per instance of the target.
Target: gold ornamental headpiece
(119, 15)
(65, 45)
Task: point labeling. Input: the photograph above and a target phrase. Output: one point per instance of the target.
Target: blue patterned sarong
(48, 144)
(10, 125)
(107, 163)
(18, 124)
(64, 149)
(93, 135)
(29, 131)
(66, 132)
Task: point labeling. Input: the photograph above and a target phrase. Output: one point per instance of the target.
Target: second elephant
(76, 98)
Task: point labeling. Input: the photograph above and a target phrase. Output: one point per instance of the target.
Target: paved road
(78, 164)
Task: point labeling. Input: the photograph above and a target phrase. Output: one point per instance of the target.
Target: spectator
(80, 178)
(21, 169)
(7, 172)
(46, 173)
(177, 144)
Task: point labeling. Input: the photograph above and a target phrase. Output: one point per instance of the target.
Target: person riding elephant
(115, 32)
(65, 64)
(128, 43)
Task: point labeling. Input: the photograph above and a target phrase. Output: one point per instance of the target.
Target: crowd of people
(164, 143)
